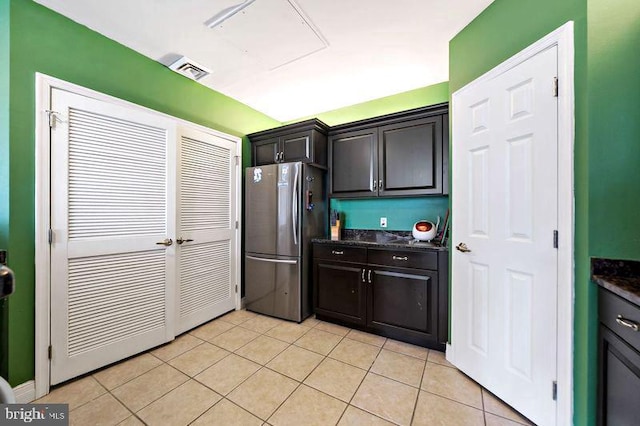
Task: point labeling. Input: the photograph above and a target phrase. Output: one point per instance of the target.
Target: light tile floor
(249, 369)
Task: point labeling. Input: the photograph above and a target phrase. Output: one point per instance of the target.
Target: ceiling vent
(190, 69)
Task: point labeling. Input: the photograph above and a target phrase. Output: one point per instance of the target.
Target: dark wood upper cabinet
(305, 141)
(400, 154)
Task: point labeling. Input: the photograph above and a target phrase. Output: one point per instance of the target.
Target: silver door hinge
(555, 87)
(554, 390)
(555, 238)
(52, 117)
(236, 288)
(237, 160)
(50, 236)
(237, 225)
(50, 351)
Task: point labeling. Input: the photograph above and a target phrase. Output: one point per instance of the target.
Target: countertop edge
(372, 244)
(610, 284)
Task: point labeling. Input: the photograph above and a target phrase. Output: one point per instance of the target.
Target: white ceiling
(291, 58)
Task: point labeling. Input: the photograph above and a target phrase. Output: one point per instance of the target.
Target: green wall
(44, 41)
(503, 29)
(614, 128)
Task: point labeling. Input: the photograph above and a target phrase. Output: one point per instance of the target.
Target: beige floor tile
(407, 349)
(198, 359)
(369, 338)
(105, 410)
(238, 317)
(309, 407)
(261, 324)
(355, 353)
(496, 406)
(336, 378)
(288, 331)
(225, 375)
(386, 398)
(131, 421)
(452, 384)
(439, 358)
(295, 362)
(263, 349)
(227, 413)
(319, 341)
(74, 393)
(400, 367)
(181, 406)
(263, 392)
(310, 322)
(332, 328)
(493, 420)
(179, 346)
(211, 329)
(145, 389)
(122, 372)
(433, 410)
(357, 417)
(234, 339)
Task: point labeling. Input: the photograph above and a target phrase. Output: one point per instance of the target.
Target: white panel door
(505, 210)
(206, 235)
(111, 203)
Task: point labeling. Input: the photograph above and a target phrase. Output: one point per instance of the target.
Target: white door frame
(563, 39)
(44, 85)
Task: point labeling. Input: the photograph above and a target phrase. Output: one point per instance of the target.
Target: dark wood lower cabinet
(364, 288)
(403, 303)
(341, 294)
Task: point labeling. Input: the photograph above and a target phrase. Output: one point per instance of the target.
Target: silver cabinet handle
(339, 253)
(380, 184)
(627, 323)
(277, 157)
(405, 258)
(166, 242)
(281, 155)
(463, 248)
(369, 276)
(363, 276)
(180, 240)
(375, 185)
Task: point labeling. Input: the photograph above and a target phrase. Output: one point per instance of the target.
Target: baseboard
(26, 392)
(448, 353)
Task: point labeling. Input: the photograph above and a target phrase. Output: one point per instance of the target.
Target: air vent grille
(189, 68)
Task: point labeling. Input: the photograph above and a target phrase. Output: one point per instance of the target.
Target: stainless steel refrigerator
(285, 207)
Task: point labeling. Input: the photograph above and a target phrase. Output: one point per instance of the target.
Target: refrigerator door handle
(294, 207)
(262, 259)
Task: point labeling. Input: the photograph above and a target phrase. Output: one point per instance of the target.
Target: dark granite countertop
(621, 277)
(382, 239)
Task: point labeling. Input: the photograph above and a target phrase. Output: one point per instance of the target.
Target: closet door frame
(44, 85)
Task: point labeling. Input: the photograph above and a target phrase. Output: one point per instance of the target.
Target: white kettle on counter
(424, 230)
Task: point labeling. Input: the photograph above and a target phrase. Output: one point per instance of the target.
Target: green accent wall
(614, 128)
(401, 213)
(499, 32)
(44, 41)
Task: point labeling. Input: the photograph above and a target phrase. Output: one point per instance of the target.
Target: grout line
(424, 369)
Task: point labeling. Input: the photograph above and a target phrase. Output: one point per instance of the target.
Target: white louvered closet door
(112, 285)
(207, 259)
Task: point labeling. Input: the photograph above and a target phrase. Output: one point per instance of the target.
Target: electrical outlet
(383, 222)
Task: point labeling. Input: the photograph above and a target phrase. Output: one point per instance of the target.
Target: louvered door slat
(206, 211)
(110, 171)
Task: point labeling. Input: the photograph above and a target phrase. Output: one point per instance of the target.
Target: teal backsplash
(401, 213)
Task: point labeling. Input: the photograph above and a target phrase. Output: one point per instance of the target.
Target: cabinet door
(619, 385)
(264, 152)
(297, 147)
(353, 164)
(338, 291)
(402, 303)
(410, 157)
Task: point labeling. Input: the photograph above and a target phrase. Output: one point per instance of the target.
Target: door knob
(463, 248)
(166, 242)
(180, 240)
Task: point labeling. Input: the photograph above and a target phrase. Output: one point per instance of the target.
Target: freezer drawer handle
(627, 323)
(339, 253)
(405, 258)
(262, 259)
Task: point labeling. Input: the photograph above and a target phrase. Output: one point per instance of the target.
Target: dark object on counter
(6, 277)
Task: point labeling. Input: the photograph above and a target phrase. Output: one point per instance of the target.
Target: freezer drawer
(273, 286)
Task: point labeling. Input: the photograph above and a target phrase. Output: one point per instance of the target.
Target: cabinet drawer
(404, 258)
(612, 306)
(339, 252)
